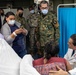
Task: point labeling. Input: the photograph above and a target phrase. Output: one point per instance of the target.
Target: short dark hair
(9, 13)
(19, 8)
(51, 50)
(43, 2)
(31, 7)
(73, 37)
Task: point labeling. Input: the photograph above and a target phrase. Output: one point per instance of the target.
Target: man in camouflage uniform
(32, 23)
(19, 17)
(48, 28)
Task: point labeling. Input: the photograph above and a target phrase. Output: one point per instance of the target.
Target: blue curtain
(67, 22)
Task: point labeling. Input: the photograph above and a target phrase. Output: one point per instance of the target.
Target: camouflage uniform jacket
(48, 29)
(32, 21)
(21, 20)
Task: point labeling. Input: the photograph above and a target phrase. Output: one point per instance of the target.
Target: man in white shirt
(70, 56)
(71, 53)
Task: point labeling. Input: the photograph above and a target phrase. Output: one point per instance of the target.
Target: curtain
(67, 22)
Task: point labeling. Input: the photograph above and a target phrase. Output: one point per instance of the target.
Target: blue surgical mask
(11, 22)
(32, 11)
(44, 11)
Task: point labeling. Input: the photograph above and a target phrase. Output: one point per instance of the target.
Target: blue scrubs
(18, 43)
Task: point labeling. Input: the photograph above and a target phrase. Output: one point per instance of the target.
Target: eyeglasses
(44, 7)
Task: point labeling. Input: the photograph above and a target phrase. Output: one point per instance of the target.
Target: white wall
(26, 11)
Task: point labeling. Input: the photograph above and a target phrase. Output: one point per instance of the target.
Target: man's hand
(24, 31)
(59, 72)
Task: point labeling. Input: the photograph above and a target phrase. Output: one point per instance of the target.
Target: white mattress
(9, 60)
(12, 64)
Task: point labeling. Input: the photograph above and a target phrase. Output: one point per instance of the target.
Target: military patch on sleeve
(56, 24)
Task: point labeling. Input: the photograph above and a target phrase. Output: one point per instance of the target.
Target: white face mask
(44, 11)
(32, 11)
(11, 22)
